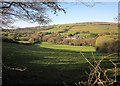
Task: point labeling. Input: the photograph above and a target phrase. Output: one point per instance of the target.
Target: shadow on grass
(44, 66)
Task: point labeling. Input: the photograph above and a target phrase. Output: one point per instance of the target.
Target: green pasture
(54, 29)
(85, 26)
(47, 64)
(68, 47)
(98, 31)
(98, 28)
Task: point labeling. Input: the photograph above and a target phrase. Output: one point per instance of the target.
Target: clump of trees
(23, 36)
(107, 44)
(53, 38)
(69, 39)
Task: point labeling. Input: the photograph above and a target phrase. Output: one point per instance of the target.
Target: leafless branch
(11, 68)
(28, 11)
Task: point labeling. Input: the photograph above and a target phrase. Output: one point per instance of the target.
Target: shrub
(4, 34)
(90, 41)
(31, 40)
(59, 40)
(93, 34)
(61, 31)
(82, 42)
(113, 45)
(85, 31)
(7, 39)
(24, 38)
(66, 41)
(76, 42)
(71, 43)
(36, 37)
(70, 35)
(45, 38)
(52, 40)
(107, 43)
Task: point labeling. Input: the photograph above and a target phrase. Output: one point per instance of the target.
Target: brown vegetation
(83, 29)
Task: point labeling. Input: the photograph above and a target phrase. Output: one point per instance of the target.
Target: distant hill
(80, 29)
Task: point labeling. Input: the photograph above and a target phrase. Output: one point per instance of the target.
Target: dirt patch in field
(83, 29)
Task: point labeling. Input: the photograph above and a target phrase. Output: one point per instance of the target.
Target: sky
(77, 12)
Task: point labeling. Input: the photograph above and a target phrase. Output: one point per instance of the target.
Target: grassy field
(68, 47)
(96, 28)
(54, 64)
(47, 63)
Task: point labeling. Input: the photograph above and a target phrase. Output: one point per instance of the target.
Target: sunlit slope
(85, 29)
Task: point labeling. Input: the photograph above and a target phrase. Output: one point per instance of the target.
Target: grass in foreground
(44, 65)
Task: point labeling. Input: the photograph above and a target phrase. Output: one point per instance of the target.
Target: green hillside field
(48, 63)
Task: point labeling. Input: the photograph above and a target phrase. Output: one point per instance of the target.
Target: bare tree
(11, 10)
(28, 11)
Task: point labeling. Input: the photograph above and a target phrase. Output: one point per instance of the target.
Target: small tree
(76, 42)
(31, 40)
(66, 41)
(52, 40)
